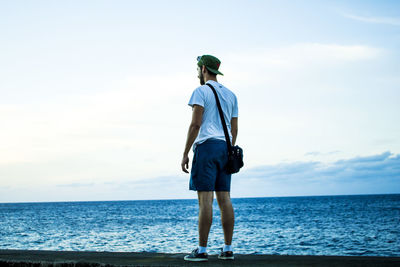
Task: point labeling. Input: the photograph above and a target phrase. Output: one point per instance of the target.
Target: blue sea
(311, 225)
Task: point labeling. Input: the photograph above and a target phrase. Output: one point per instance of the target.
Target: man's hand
(185, 163)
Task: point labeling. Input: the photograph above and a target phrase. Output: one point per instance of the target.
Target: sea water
(312, 225)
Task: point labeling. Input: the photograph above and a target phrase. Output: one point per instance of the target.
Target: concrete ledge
(88, 258)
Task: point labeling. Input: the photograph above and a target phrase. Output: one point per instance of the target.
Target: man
(208, 174)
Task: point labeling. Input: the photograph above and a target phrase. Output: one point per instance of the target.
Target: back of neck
(211, 79)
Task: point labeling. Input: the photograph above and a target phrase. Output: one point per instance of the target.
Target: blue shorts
(208, 167)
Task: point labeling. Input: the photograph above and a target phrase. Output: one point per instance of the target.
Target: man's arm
(197, 117)
(234, 129)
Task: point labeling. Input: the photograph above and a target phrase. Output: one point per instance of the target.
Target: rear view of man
(208, 173)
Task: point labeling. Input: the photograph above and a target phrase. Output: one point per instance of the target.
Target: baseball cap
(212, 63)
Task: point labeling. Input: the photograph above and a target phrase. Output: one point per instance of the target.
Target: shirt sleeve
(197, 98)
(235, 112)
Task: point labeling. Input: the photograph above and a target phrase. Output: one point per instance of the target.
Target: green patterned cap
(212, 63)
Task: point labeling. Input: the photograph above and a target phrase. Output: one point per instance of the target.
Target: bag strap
(221, 115)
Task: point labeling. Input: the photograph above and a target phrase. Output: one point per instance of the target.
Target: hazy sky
(93, 96)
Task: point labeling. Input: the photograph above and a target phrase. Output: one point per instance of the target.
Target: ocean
(367, 225)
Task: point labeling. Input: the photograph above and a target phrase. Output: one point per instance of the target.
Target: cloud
(111, 132)
(381, 166)
(377, 20)
(76, 185)
(358, 175)
(274, 65)
(376, 174)
(372, 174)
(317, 153)
(304, 54)
(330, 52)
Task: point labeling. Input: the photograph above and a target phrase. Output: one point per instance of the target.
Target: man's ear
(203, 68)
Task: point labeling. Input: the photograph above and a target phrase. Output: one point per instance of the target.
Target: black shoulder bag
(235, 153)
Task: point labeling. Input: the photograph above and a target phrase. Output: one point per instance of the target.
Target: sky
(93, 96)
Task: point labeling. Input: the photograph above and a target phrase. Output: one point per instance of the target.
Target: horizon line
(166, 199)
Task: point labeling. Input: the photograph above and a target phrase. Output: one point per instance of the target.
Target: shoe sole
(194, 259)
(226, 258)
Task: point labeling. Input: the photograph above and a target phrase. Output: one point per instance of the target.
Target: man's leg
(227, 215)
(205, 215)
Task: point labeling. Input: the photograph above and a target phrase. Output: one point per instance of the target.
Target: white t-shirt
(211, 125)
